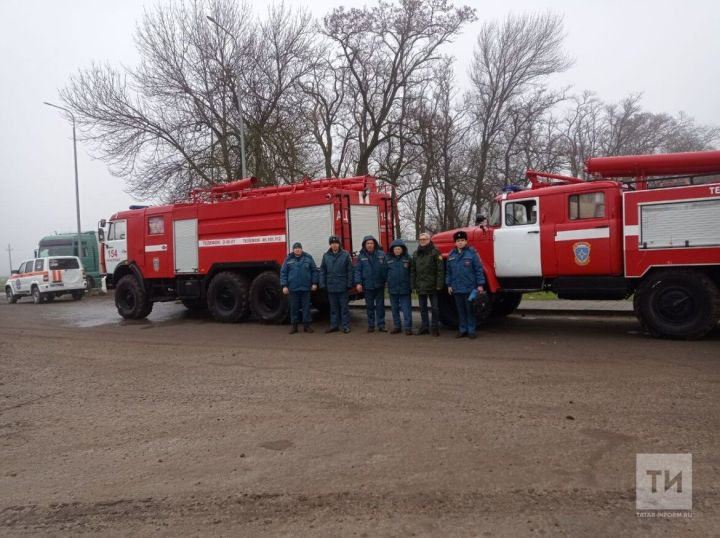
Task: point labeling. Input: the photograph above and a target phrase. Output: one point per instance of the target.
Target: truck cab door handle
(534, 232)
(603, 226)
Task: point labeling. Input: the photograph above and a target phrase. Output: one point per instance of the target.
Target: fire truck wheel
(267, 301)
(228, 297)
(448, 310)
(678, 303)
(505, 304)
(10, 296)
(131, 300)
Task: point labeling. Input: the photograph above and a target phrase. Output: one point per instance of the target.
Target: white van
(43, 279)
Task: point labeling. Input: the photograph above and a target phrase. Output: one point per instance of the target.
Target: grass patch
(540, 296)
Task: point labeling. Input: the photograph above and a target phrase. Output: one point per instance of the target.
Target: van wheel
(228, 297)
(10, 296)
(77, 295)
(448, 310)
(267, 301)
(131, 300)
(678, 303)
(89, 283)
(37, 297)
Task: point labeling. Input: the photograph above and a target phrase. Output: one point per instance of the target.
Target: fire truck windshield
(494, 219)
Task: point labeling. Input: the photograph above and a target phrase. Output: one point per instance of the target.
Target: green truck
(66, 245)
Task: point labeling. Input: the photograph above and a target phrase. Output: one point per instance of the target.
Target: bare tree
(385, 49)
(168, 124)
(509, 59)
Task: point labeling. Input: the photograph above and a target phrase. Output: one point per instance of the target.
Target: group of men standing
(424, 271)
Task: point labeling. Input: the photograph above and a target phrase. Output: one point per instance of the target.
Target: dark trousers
(423, 300)
(375, 306)
(300, 300)
(466, 313)
(339, 310)
(401, 303)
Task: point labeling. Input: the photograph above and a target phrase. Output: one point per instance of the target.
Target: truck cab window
(156, 225)
(520, 213)
(587, 206)
(28, 268)
(39, 264)
(494, 219)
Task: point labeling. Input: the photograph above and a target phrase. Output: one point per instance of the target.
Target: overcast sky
(667, 50)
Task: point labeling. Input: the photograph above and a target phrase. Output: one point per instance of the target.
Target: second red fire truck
(655, 238)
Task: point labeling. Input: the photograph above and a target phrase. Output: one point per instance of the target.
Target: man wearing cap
(428, 277)
(336, 276)
(464, 274)
(370, 277)
(298, 276)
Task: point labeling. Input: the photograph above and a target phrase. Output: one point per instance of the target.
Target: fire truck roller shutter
(185, 245)
(364, 222)
(311, 226)
(680, 224)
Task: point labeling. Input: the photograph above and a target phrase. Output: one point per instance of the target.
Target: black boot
(308, 329)
(294, 329)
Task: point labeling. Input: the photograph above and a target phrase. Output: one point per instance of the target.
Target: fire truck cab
(224, 246)
(656, 238)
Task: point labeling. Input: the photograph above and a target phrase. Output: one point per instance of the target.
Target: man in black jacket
(427, 274)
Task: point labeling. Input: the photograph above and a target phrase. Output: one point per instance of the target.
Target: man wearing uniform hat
(463, 275)
(336, 276)
(299, 276)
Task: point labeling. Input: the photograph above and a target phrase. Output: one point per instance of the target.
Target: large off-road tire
(504, 304)
(37, 295)
(228, 297)
(448, 310)
(10, 296)
(267, 302)
(131, 300)
(677, 303)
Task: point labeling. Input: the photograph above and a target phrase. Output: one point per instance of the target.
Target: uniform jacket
(464, 270)
(398, 270)
(299, 273)
(336, 271)
(427, 270)
(371, 269)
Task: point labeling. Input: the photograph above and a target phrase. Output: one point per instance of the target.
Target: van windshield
(64, 263)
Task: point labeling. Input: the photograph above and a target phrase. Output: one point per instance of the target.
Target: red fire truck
(655, 237)
(223, 247)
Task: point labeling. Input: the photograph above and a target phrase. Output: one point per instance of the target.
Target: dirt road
(179, 425)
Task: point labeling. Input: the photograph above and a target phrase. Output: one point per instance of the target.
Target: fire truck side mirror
(480, 219)
(102, 223)
(101, 235)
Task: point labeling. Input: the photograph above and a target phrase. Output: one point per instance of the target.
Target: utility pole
(77, 188)
(237, 96)
(9, 251)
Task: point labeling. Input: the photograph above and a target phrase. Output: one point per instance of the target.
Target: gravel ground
(178, 425)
